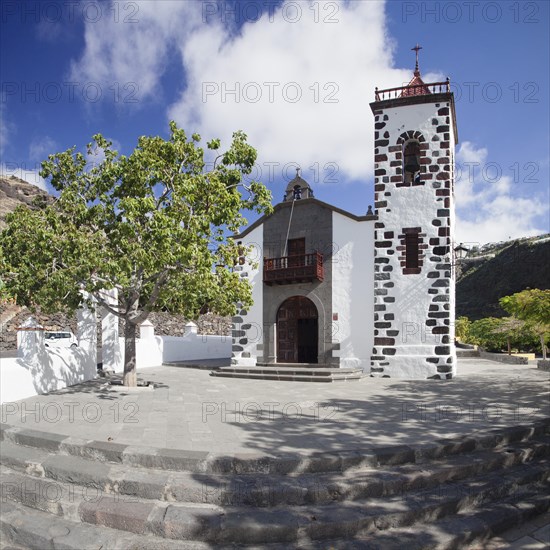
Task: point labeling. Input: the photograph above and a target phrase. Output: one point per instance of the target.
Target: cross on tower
(416, 49)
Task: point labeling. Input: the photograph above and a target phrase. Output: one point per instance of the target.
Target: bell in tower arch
(412, 157)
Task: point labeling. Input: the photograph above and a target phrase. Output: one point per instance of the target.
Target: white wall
(58, 368)
(352, 290)
(253, 320)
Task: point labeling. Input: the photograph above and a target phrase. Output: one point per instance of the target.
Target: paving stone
(117, 514)
(72, 469)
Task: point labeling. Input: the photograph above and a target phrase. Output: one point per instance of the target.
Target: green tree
(510, 328)
(155, 225)
(462, 329)
(533, 307)
(484, 333)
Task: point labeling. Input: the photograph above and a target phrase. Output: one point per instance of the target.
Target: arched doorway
(297, 331)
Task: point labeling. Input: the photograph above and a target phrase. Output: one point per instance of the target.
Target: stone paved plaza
(191, 410)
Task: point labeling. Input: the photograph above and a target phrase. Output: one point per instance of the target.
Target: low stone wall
(58, 321)
(502, 358)
(165, 325)
(543, 364)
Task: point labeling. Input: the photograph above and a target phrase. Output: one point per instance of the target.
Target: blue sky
(297, 77)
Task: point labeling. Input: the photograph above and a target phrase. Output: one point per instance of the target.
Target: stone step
(261, 490)
(29, 529)
(32, 529)
(289, 373)
(33, 447)
(287, 377)
(234, 524)
(473, 528)
(467, 352)
(295, 365)
(308, 371)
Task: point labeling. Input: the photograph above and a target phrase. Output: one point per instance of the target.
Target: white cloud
(6, 127)
(40, 148)
(335, 58)
(487, 209)
(133, 48)
(31, 176)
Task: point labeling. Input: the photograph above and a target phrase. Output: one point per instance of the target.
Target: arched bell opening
(411, 162)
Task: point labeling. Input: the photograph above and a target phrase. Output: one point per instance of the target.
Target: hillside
(501, 270)
(15, 191)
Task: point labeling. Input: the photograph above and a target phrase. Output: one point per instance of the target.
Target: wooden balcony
(304, 268)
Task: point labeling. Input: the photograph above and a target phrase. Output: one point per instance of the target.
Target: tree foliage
(533, 307)
(155, 225)
(462, 329)
(502, 334)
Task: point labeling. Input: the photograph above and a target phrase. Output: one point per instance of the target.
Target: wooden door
(297, 331)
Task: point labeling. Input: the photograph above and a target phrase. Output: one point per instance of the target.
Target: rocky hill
(500, 270)
(15, 191)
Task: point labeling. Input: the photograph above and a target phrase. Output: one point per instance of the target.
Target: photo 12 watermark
(227, 12)
(68, 11)
(272, 92)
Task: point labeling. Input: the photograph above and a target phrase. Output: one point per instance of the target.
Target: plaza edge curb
(240, 463)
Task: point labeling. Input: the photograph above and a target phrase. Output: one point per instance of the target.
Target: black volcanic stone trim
(382, 325)
(442, 350)
(389, 351)
(379, 341)
(439, 315)
(440, 330)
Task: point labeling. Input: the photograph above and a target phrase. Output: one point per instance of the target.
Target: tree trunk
(130, 374)
(543, 345)
(509, 345)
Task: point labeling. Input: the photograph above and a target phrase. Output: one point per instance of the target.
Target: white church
(374, 293)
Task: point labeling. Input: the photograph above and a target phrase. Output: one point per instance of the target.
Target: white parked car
(61, 339)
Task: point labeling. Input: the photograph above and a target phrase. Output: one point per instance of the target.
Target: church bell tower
(414, 287)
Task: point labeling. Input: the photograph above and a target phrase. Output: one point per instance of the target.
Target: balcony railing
(407, 91)
(304, 268)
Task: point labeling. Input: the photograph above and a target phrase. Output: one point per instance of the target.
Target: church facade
(374, 291)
